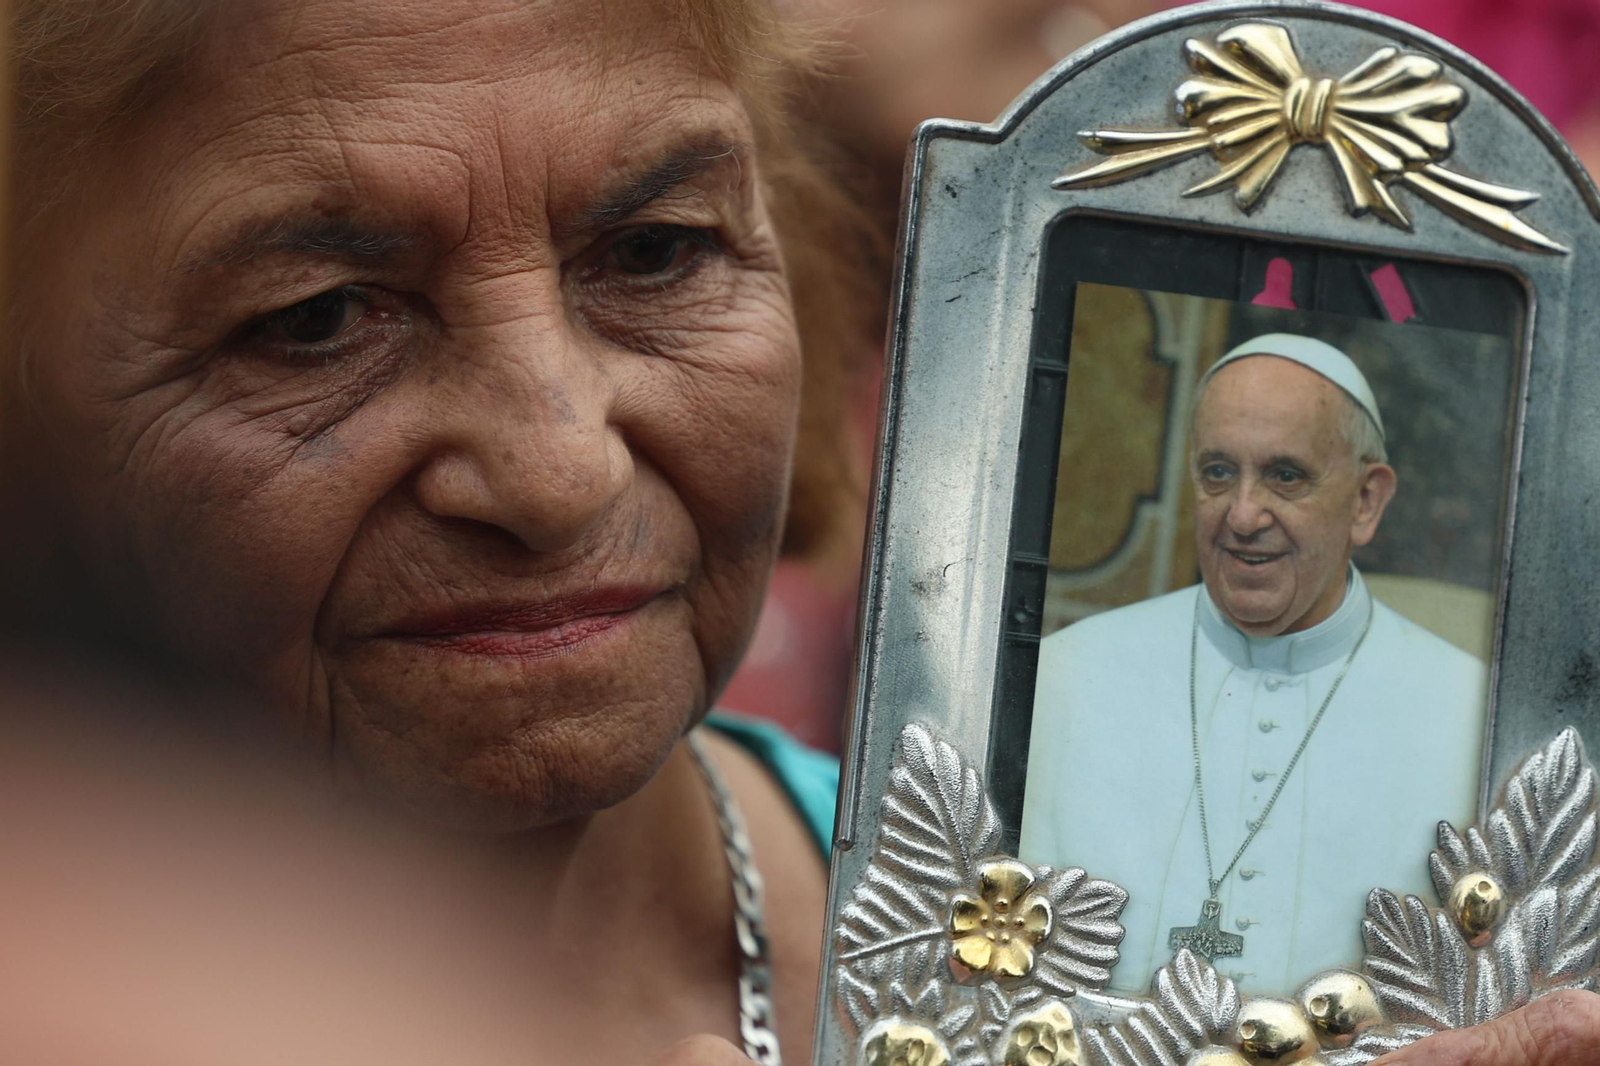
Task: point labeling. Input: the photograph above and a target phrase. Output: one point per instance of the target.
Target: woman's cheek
(241, 528)
(723, 406)
(715, 411)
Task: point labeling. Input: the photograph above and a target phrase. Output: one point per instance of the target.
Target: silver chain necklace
(755, 969)
(1206, 937)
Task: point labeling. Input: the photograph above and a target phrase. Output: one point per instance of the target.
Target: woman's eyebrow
(677, 167)
(342, 238)
(328, 238)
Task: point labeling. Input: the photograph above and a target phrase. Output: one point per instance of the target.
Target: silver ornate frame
(1518, 913)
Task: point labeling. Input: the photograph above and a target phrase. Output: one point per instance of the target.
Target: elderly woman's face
(430, 364)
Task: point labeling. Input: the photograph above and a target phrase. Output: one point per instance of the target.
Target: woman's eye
(655, 250)
(324, 327)
(317, 320)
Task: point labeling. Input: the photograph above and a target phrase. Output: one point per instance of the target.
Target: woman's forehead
(442, 34)
(542, 107)
(557, 58)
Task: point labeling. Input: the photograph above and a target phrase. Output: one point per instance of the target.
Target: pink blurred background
(901, 61)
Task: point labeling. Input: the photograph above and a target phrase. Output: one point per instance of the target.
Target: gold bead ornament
(1476, 903)
(1340, 1004)
(1274, 1030)
(1044, 1037)
(896, 1043)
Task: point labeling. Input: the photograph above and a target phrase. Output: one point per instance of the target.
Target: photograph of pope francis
(1250, 755)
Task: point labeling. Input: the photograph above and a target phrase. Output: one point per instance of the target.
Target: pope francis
(1251, 756)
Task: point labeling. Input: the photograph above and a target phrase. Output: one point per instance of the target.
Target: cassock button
(1273, 684)
(1267, 725)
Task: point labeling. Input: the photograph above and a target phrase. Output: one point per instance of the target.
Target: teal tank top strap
(809, 777)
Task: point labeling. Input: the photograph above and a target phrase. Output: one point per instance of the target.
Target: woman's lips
(527, 630)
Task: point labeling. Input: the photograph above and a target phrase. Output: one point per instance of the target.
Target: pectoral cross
(1206, 937)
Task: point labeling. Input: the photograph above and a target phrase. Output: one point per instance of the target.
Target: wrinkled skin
(1562, 1029)
(1280, 502)
(505, 392)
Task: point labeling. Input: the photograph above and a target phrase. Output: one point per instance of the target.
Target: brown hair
(83, 66)
(832, 247)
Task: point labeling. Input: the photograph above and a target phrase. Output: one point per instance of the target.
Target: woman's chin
(507, 742)
(534, 777)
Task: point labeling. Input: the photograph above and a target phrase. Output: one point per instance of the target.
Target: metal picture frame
(925, 842)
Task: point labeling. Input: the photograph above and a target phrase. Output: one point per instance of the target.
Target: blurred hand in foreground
(703, 1051)
(1560, 1030)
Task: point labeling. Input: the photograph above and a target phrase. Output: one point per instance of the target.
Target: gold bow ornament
(1386, 122)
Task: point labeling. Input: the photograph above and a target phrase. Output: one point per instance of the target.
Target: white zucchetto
(1319, 356)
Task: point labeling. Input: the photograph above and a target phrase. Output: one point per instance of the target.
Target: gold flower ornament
(1385, 123)
(995, 931)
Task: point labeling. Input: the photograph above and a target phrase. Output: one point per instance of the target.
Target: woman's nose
(531, 451)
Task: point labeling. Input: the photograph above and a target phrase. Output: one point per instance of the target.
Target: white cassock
(1110, 784)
